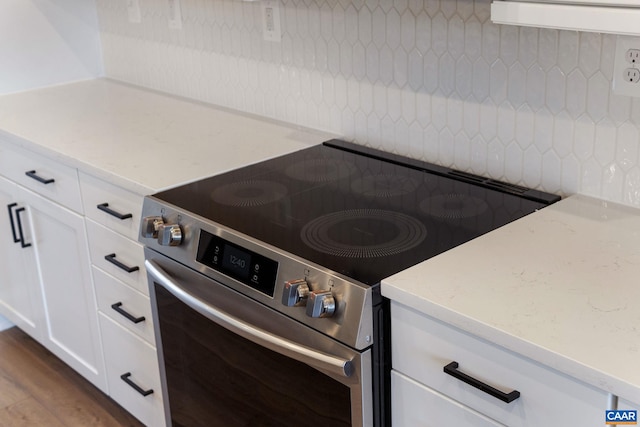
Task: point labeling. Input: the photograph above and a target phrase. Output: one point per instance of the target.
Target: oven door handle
(327, 362)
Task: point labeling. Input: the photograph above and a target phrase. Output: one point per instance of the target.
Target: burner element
(454, 206)
(384, 185)
(249, 193)
(320, 170)
(363, 233)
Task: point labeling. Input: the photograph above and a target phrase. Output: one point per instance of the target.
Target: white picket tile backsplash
(431, 79)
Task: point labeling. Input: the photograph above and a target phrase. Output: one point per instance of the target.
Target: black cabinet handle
(22, 243)
(452, 369)
(13, 226)
(136, 387)
(112, 259)
(32, 174)
(105, 208)
(118, 307)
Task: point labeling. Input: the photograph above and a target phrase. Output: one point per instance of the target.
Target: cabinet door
(20, 296)
(60, 241)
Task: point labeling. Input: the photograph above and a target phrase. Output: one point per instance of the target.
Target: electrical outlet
(633, 56)
(175, 15)
(133, 11)
(271, 20)
(626, 66)
(632, 75)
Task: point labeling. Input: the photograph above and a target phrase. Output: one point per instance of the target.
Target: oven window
(217, 378)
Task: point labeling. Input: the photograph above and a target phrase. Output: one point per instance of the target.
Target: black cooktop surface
(364, 214)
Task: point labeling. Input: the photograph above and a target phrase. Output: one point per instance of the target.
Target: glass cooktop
(360, 212)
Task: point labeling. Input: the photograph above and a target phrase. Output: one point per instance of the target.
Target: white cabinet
(117, 209)
(603, 16)
(133, 374)
(415, 405)
(44, 176)
(20, 293)
(47, 288)
(421, 349)
(59, 243)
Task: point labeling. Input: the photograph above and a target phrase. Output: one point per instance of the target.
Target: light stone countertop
(560, 286)
(138, 139)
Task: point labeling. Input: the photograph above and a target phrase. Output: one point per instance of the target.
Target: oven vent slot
(488, 182)
(512, 188)
(467, 176)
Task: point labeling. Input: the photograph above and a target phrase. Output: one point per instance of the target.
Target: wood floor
(37, 389)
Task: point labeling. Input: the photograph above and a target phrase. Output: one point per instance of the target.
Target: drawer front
(124, 305)
(414, 405)
(117, 255)
(125, 353)
(48, 178)
(423, 346)
(111, 206)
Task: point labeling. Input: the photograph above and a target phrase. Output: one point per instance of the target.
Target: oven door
(226, 360)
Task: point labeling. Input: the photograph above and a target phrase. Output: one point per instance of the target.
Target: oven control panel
(248, 267)
(311, 294)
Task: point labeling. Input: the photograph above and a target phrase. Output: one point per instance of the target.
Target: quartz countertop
(560, 286)
(141, 140)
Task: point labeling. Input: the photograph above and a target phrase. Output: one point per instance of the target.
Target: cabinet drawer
(422, 346)
(414, 405)
(111, 206)
(117, 255)
(124, 305)
(46, 177)
(125, 353)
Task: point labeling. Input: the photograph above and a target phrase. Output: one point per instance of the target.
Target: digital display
(250, 268)
(237, 261)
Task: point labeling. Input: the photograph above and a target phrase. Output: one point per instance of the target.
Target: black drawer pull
(22, 243)
(112, 259)
(117, 307)
(136, 387)
(452, 369)
(13, 226)
(105, 208)
(32, 174)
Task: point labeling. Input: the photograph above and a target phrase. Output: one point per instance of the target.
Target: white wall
(45, 42)
(433, 79)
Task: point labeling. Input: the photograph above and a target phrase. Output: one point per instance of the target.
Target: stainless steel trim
(319, 360)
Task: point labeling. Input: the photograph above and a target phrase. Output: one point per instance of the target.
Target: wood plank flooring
(37, 389)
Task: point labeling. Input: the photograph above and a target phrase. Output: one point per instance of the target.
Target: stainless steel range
(265, 280)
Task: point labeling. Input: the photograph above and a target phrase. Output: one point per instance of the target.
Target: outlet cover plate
(133, 11)
(621, 65)
(175, 15)
(271, 20)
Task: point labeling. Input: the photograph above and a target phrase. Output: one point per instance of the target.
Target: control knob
(321, 304)
(150, 226)
(169, 235)
(295, 293)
